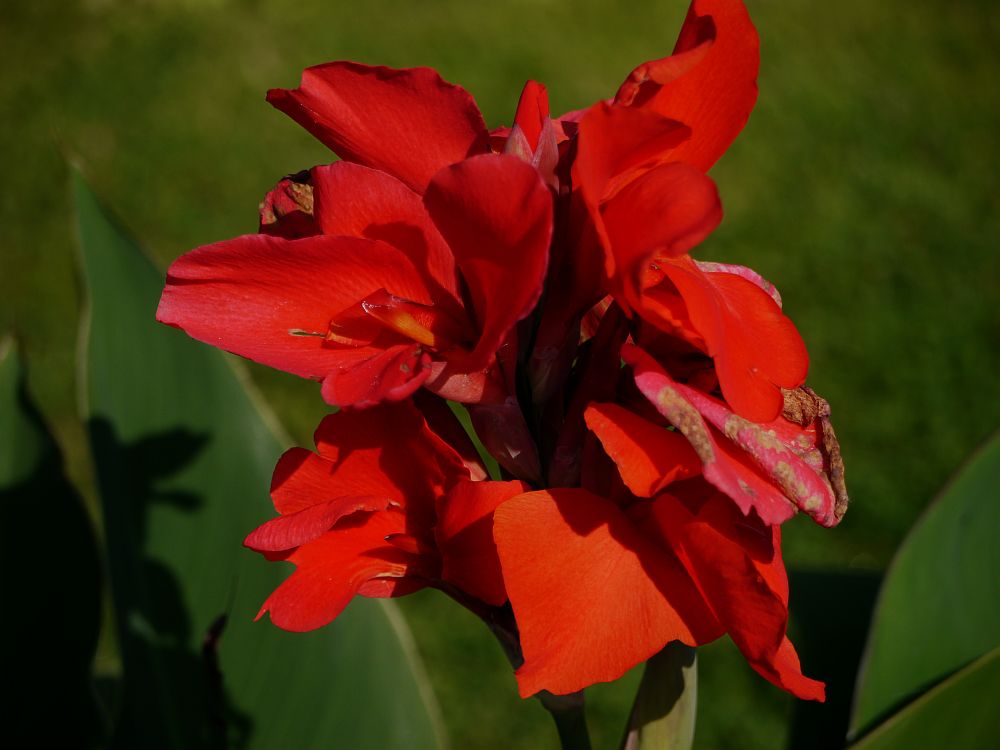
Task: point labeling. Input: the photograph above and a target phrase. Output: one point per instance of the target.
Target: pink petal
(749, 462)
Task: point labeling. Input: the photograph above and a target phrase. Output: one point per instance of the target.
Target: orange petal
(649, 457)
(592, 595)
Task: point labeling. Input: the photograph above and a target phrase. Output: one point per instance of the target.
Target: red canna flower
(650, 407)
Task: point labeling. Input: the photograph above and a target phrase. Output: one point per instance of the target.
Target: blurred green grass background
(865, 186)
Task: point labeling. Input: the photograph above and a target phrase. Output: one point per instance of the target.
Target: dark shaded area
(173, 693)
(831, 612)
(52, 595)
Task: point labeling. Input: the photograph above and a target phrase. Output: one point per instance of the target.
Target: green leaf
(960, 713)
(939, 607)
(462, 414)
(663, 716)
(184, 454)
(24, 439)
(53, 582)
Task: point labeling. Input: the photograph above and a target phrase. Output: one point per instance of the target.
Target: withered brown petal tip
(803, 406)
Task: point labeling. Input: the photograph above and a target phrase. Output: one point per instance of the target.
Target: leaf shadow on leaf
(154, 626)
(52, 597)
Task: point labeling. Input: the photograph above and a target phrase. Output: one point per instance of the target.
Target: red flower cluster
(647, 408)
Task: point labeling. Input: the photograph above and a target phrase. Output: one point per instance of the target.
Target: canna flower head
(407, 264)
(648, 408)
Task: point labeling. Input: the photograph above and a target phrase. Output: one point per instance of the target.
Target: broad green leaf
(184, 454)
(959, 713)
(663, 716)
(939, 607)
(51, 611)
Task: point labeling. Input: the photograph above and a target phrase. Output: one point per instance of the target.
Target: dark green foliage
(52, 588)
(939, 608)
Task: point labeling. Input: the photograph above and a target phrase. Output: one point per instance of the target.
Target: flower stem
(568, 711)
(569, 714)
(663, 715)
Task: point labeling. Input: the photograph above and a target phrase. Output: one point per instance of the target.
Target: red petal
(648, 456)
(615, 141)
(290, 531)
(592, 595)
(734, 561)
(357, 201)
(756, 348)
(783, 669)
(383, 588)
(496, 215)
(614, 146)
(664, 212)
(387, 376)
(443, 421)
(271, 300)
(747, 273)
(303, 479)
(532, 112)
(408, 122)
(710, 83)
(464, 535)
(384, 452)
(331, 569)
(392, 441)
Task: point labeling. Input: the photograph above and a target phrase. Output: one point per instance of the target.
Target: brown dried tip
(287, 210)
(804, 406)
